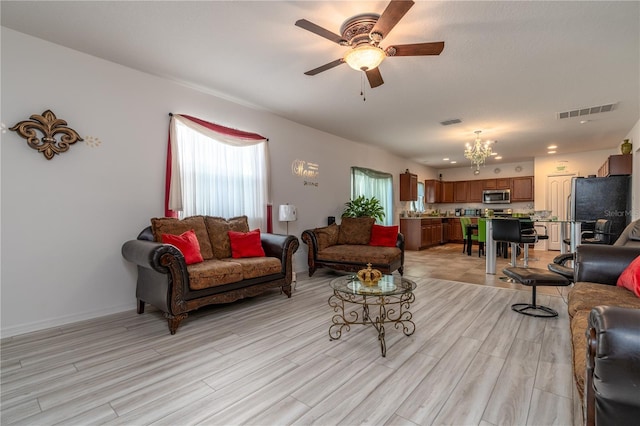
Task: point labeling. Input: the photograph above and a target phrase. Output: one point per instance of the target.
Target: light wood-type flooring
(269, 360)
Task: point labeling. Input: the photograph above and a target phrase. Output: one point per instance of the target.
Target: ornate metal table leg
(378, 322)
(339, 320)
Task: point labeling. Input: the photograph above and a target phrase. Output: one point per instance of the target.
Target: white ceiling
(507, 68)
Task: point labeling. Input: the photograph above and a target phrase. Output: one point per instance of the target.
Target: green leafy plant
(362, 206)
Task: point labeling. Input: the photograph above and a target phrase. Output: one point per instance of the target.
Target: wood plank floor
(269, 361)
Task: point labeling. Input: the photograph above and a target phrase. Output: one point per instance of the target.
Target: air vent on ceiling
(586, 111)
(450, 122)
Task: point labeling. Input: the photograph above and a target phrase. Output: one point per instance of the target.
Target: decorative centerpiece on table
(368, 276)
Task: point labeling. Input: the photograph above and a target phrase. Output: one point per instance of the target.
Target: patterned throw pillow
(218, 229)
(327, 236)
(355, 230)
(173, 226)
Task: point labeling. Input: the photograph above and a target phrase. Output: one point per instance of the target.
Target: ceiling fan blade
(325, 67)
(322, 32)
(395, 10)
(417, 49)
(374, 77)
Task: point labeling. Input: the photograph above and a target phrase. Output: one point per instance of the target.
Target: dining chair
(464, 223)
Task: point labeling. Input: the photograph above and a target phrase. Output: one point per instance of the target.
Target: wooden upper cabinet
(475, 191)
(447, 192)
(432, 191)
(408, 187)
(522, 188)
(461, 191)
(488, 183)
(617, 165)
(503, 183)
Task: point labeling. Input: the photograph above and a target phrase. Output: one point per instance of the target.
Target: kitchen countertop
(438, 217)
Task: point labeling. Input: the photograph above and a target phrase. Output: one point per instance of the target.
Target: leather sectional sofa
(350, 247)
(167, 282)
(605, 334)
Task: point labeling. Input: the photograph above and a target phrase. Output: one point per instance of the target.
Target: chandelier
(478, 152)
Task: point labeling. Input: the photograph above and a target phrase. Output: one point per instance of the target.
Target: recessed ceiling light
(493, 154)
(445, 159)
(499, 157)
(453, 162)
(584, 121)
(552, 146)
(551, 152)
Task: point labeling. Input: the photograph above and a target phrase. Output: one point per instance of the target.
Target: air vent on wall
(450, 122)
(587, 111)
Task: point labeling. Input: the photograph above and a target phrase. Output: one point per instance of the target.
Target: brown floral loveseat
(353, 244)
(213, 269)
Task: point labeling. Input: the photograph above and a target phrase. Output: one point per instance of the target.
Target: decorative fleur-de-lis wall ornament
(50, 126)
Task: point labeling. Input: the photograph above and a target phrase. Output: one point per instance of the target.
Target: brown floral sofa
(168, 282)
(604, 320)
(353, 244)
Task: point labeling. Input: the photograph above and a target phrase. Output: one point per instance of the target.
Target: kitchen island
(428, 231)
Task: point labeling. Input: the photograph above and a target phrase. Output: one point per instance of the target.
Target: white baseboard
(56, 322)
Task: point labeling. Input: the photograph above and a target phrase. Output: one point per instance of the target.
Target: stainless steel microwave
(496, 196)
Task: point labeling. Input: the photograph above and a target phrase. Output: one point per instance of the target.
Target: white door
(558, 191)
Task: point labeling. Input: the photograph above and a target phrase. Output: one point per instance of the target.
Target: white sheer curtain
(372, 183)
(216, 174)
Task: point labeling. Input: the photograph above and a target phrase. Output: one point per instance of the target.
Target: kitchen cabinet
(432, 191)
(447, 192)
(436, 232)
(455, 230)
(617, 165)
(446, 232)
(522, 189)
(408, 187)
(461, 191)
(475, 191)
(488, 184)
(503, 183)
(421, 233)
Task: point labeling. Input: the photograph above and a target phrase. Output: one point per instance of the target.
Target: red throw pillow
(385, 236)
(630, 277)
(246, 244)
(187, 243)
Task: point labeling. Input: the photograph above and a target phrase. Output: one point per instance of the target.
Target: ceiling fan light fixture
(364, 57)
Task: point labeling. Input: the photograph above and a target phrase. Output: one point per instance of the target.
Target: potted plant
(364, 207)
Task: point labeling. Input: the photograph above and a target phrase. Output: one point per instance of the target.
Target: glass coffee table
(388, 302)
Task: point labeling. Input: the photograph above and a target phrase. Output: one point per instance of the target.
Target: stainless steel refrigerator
(601, 198)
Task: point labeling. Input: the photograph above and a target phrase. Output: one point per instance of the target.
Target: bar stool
(511, 231)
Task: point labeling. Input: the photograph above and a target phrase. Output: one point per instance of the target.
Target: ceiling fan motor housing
(357, 30)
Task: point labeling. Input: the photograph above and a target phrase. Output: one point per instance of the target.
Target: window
(372, 183)
(217, 174)
(418, 205)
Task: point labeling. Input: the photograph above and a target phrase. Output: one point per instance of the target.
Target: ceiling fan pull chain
(362, 87)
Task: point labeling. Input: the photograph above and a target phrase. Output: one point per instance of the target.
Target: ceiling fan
(363, 33)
